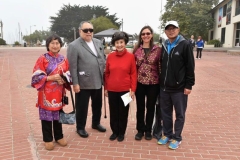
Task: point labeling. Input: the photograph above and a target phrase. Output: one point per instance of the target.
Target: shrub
(16, 43)
(214, 41)
(2, 41)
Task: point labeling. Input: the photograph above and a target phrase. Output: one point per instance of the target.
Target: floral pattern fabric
(148, 65)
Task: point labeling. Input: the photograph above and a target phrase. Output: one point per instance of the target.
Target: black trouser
(49, 128)
(118, 112)
(168, 100)
(151, 92)
(199, 52)
(82, 101)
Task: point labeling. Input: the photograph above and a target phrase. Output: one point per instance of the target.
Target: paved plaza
(211, 132)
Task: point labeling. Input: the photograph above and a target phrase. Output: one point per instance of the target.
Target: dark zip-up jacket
(177, 68)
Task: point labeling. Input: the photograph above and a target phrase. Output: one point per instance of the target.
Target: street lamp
(30, 34)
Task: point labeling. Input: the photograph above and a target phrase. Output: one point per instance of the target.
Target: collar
(121, 53)
(52, 54)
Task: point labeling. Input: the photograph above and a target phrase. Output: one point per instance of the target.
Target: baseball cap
(174, 23)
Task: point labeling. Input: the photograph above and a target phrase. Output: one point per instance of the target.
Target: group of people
(147, 75)
(200, 45)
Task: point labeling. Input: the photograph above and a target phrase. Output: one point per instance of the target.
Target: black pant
(49, 128)
(199, 52)
(168, 100)
(118, 112)
(82, 101)
(151, 92)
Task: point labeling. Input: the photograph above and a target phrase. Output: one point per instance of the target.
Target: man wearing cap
(176, 80)
(87, 62)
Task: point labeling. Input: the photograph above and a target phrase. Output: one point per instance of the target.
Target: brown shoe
(49, 146)
(62, 142)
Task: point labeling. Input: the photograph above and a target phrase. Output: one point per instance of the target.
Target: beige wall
(230, 28)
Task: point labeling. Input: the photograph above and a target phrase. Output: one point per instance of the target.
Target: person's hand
(187, 91)
(57, 78)
(105, 93)
(132, 94)
(76, 88)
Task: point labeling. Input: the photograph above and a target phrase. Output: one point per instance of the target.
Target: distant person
(47, 80)
(200, 46)
(147, 57)
(176, 80)
(87, 62)
(120, 78)
(192, 41)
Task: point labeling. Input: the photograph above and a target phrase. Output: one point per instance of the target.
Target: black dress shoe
(113, 137)
(82, 133)
(139, 135)
(120, 138)
(148, 136)
(99, 127)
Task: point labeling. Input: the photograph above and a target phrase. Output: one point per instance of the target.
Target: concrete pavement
(211, 132)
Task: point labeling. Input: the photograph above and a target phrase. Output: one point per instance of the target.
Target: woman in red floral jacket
(47, 80)
(147, 59)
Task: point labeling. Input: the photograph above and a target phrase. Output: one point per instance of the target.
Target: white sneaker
(199, 58)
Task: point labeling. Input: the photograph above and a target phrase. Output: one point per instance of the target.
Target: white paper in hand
(126, 98)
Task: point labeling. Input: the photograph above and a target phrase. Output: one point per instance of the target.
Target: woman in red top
(120, 78)
(147, 58)
(47, 80)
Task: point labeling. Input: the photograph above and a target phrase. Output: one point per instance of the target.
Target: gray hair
(80, 25)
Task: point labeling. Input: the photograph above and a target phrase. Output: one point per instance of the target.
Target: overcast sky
(26, 13)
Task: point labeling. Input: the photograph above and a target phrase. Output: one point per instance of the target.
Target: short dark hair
(119, 35)
(53, 37)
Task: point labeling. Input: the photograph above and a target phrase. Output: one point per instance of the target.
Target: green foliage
(192, 15)
(155, 37)
(16, 43)
(102, 23)
(37, 35)
(214, 41)
(2, 41)
(70, 16)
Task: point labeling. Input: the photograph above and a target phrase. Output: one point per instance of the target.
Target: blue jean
(168, 101)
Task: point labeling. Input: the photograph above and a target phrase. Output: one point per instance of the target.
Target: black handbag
(67, 118)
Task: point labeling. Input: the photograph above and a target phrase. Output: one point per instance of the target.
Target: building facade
(227, 23)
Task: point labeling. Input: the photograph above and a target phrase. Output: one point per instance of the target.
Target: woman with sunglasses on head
(147, 59)
(120, 78)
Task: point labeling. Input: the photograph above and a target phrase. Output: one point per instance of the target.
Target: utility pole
(160, 20)
(19, 33)
(74, 33)
(1, 26)
(122, 24)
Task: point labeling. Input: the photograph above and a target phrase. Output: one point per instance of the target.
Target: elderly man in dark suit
(87, 62)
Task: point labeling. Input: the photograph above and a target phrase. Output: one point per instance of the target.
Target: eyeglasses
(147, 33)
(171, 29)
(87, 30)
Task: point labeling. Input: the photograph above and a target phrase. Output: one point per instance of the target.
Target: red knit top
(120, 72)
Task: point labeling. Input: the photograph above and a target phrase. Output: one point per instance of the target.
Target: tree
(69, 18)
(102, 23)
(37, 35)
(2, 41)
(192, 15)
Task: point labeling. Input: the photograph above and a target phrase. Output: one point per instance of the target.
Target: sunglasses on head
(121, 34)
(147, 33)
(87, 30)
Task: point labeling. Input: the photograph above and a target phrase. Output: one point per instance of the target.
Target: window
(224, 10)
(223, 35)
(237, 12)
(211, 35)
(237, 40)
